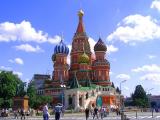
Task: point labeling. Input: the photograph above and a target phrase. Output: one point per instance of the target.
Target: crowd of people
(96, 113)
(58, 110)
(22, 113)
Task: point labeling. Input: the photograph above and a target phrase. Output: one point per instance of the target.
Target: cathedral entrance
(99, 101)
(70, 101)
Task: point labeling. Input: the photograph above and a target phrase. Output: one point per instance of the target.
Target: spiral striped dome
(83, 58)
(61, 48)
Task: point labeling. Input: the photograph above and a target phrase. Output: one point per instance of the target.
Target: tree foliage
(139, 97)
(35, 101)
(8, 85)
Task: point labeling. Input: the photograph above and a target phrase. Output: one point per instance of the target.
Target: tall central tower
(79, 45)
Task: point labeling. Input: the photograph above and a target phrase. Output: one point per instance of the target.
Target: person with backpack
(58, 110)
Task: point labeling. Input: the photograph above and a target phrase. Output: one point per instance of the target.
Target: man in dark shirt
(95, 112)
(87, 113)
(58, 110)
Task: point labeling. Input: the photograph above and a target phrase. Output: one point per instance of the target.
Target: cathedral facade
(86, 81)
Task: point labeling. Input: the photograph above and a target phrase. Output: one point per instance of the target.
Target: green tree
(139, 97)
(20, 90)
(8, 85)
(35, 101)
(31, 92)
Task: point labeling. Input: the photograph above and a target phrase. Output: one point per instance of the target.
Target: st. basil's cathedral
(86, 81)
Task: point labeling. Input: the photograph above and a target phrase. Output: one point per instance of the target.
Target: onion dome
(61, 48)
(100, 46)
(83, 58)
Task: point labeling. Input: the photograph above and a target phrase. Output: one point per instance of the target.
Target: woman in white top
(45, 112)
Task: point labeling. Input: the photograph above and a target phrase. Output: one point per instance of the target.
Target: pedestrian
(87, 113)
(45, 112)
(95, 113)
(22, 113)
(58, 110)
(102, 113)
(16, 114)
(117, 111)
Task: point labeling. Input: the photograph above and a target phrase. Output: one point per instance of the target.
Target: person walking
(102, 112)
(87, 113)
(22, 112)
(58, 110)
(95, 113)
(45, 112)
(16, 114)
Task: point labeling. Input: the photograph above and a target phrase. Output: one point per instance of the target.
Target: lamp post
(121, 83)
(63, 87)
(149, 99)
(121, 102)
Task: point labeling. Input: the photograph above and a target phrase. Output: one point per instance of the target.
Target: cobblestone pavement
(80, 116)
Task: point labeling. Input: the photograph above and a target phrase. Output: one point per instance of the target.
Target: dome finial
(62, 36)
(80, 13)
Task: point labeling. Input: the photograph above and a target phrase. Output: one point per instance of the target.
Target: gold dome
(83, 58)
(80, 13)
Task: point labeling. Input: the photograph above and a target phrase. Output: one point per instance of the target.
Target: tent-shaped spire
(74, 83)
(80, 28)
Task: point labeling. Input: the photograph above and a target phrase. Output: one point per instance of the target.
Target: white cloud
(111, 49)
(5, 68)
(92, 43)
(28, 48)
(24, 32)
(126, 88)
(147, 68)
(152, 77)
(68, 57)
(10, 69)
(17, 61)
(18, 73)
(136, 28)
(111, 73)
(151, 56)
(56, 39)
(123, 76)
(156, 5)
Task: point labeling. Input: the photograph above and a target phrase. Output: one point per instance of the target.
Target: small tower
(59, 59)
(101, 66)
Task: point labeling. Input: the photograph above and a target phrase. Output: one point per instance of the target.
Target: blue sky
(29, 30)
